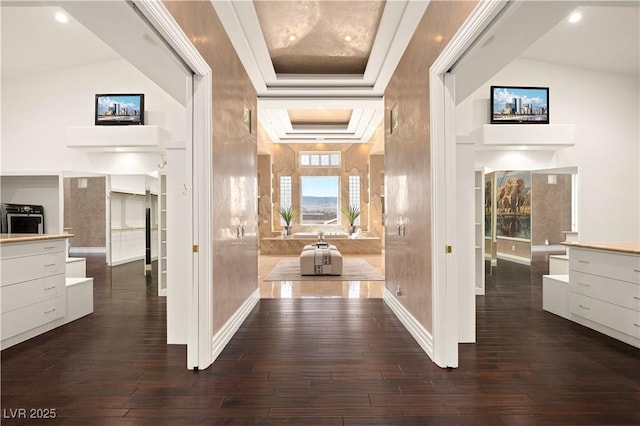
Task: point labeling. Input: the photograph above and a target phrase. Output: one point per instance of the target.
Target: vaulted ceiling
(320, 67)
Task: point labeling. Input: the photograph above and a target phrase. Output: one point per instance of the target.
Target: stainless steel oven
(22, 219)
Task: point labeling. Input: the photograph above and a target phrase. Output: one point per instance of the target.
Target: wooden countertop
(632, 247)
(22, 238)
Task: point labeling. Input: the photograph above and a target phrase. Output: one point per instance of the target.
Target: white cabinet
(604, 292)
(127, 227)
(32, 288)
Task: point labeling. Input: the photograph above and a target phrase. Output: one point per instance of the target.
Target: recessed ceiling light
(347, 38)
(292, 37)
(62, 18)
(575, 17)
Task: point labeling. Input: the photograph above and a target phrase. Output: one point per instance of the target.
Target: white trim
(397, 25)
(202, 182)
(444, 285)
(523, 240)
(516, 259)
(200, 297)
(226, 332)
(82, 250)
(419, 333)
(126, 260)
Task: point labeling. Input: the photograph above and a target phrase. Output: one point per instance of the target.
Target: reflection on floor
(320, 289)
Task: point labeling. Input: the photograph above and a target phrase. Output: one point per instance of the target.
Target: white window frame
(355, 193)
(315, 159)
(286, 196)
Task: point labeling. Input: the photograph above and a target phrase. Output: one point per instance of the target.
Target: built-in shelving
(162, 236)
(479, 232)
(510, 136)
(117, 138)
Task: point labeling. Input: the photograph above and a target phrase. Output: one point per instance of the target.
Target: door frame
(200, 169)
(443, 175)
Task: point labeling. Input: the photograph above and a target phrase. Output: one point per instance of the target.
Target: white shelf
(510, 136)
(117, 138)
(162, 258)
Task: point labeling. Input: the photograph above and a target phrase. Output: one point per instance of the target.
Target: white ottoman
(320, 261)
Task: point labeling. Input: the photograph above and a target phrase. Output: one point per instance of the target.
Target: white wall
(37, 108)
(44, 190)
(604, 107)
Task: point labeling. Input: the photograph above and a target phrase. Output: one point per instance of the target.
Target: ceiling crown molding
(361, 93)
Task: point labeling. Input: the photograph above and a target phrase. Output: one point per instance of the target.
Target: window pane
(319, 202)
(285, 194)
(320, 159)
(354, 194)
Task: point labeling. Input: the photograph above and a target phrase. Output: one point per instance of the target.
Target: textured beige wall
(551, 208)
(514, 248)
(264, 192)
(376, 195)
(407, 159)
(85, 211)
(235, 261)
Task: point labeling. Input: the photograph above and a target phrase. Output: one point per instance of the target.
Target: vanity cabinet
(604, 292)
(32, 288)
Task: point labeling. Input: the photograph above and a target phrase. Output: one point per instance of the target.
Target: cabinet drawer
(32, 316)
(29, 292)
(620, 266)
(8, 250)
(616, 317)
(19, 269)
(606, 289)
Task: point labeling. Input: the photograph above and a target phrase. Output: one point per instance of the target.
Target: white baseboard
(126, 260)
(516, 259)
(81, 250)
(422, 336)
(224, 335)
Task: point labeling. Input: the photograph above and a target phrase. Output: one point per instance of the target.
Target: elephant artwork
(513, 204)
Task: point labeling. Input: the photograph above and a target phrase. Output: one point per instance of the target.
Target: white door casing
(200, 273)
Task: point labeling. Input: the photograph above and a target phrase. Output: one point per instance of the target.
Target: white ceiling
(33, 41)
(607, 39)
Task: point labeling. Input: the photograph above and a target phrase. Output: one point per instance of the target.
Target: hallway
(320, 361)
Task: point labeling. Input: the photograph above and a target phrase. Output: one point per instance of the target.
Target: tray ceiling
(319, 56)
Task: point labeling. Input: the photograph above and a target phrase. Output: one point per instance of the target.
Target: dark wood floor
(323, 362)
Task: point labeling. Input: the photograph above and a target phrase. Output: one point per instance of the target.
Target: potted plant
(352, 213)
(287, 213)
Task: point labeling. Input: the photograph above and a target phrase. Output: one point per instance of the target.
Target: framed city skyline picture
(119, 109)
(519, 105)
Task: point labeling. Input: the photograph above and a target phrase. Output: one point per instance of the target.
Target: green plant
(287, 213)
(352, 213)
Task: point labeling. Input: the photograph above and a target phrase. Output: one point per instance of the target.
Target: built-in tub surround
(407, 164)
(293, 245)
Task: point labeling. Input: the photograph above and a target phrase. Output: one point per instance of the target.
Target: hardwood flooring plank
(323, 362)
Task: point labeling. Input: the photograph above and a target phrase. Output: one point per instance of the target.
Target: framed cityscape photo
(519, 105)
(119, 109)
